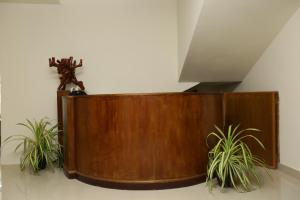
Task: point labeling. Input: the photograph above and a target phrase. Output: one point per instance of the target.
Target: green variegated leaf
(42, 144)
(232, 159)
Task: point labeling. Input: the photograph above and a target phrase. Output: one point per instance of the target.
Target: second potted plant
(231, 160)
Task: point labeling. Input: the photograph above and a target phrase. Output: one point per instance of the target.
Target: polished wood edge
(166, 94)
(144, 94)
(251, 92)
(276, 132)
(137, 185)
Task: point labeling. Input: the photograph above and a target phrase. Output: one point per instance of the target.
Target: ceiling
(230, 36)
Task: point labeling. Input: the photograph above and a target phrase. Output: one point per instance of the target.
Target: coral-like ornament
(66, 69)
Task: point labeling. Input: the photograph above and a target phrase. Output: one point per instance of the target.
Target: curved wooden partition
(139, 141)
(155, 141)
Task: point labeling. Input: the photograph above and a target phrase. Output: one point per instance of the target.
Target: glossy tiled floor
(55, 186)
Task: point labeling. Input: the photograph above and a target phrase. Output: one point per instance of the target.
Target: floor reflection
(55, 186)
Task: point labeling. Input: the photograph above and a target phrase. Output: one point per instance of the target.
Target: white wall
(0, 99)
(126, 46)
(279, 69)
(188, 14)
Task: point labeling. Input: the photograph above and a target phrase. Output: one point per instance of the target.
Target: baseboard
(291, 171)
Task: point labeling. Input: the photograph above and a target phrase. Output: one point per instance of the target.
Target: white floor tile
(55, 186)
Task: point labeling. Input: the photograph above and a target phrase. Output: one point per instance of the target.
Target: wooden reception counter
(152, 141)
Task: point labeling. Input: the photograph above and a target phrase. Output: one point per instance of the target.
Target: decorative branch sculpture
(66, 69)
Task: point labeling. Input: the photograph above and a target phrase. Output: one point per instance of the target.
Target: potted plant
(41, 149)
(231, 160)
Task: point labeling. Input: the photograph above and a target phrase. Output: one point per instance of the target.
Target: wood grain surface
(256, 110)
(156, 140)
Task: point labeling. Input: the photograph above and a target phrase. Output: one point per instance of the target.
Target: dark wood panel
(157, 140)
(256, 110)
(60, 95)
(116, 138)
(180, 147)
(69, 142)
(142, 138)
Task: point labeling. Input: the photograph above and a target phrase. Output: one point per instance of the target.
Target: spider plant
(41, 148)
(231, 160)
